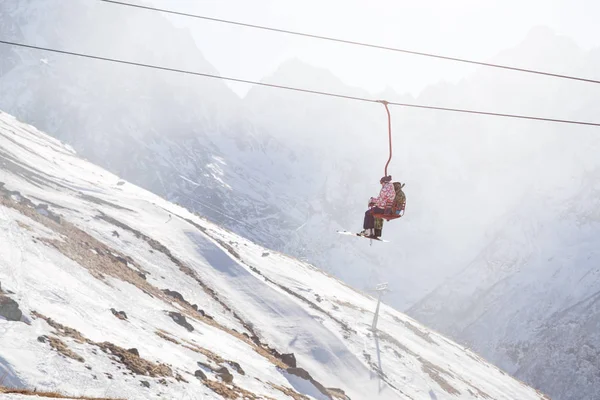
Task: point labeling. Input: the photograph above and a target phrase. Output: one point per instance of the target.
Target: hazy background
(471, 29)
(498, 248)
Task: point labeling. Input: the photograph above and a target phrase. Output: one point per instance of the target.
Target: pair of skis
(361, 236)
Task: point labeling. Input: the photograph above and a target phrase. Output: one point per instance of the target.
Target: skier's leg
(378, 227)
(369, 221)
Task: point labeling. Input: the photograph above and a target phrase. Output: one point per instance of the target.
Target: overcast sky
(476, 29)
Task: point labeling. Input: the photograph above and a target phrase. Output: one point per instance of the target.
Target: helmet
(386, 179)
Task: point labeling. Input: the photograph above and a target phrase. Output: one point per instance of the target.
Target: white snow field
(100, 267)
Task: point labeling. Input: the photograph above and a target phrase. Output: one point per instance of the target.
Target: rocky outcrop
(9, 309)
(289, 359)
(224, 374)
(119, 314)
(180, 320)
(174, 294)
(200, 375)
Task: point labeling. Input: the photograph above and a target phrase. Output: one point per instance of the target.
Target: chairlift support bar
(385, 104)
(381, 289)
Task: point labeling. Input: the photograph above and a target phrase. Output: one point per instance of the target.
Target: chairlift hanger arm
(385, 104)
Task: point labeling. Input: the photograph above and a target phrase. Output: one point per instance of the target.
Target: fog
(288, 169)
(463, 173)
(465, 28)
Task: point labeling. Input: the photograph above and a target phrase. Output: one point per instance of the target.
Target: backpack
(400, 199)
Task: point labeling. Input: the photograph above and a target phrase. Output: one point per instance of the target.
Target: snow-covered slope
(100, 267)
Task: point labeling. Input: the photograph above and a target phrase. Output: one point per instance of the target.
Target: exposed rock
(119, 314)
(265, 254)
(145, 384)
(237, 367)
(134, 351)
(123, 260)
(200, 375)
(201, 312)
(302, 373)
(180, 378)
(115, 234)
(41, 339)
(9, 309)
(205, 365)
(180, 320)
(338, 393)
(174, 294)
(224, 374)
(289, 359)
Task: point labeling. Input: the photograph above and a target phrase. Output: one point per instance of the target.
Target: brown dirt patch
(338, 394)
(131, 361)
(165, 335)
(135, 363)
(23, 225)
(215, 358)
(423, 335)
(435, 373)
(61, 329)
(52, 395)
(201, 350)
(392, 340)
(289, 392)
(190, 346)
(62, 348)
(349, 305)
(233, 392)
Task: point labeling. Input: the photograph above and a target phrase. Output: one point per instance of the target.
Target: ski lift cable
(296, 89)
(354, 43)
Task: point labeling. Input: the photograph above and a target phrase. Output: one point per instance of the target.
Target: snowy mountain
(528, 301)
(286, 170)
(117, 292)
